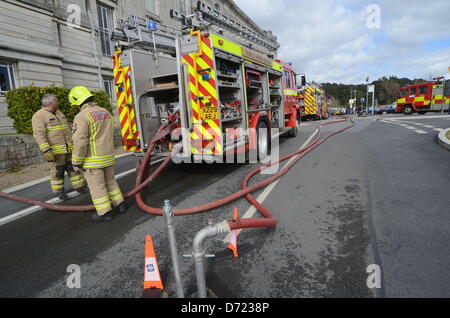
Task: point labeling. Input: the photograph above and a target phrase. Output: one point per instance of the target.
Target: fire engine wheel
(422, 113)
(263, 139)
(408, 110)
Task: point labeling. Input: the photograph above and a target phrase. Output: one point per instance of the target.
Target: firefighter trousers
(105, 191)
(58, 168)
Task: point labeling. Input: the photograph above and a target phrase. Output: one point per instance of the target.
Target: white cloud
(330, 41)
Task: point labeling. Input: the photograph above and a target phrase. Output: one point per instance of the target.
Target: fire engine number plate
(210, 113)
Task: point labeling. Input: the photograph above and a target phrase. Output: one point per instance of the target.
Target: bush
(24, 102)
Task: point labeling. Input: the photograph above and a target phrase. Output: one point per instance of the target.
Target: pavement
(375, 194)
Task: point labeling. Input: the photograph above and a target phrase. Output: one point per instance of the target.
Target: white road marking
(410, 127)
(252, 210)
(422, 117)
(71, 195)
(420, 132)
(428, 126)
(439, 129)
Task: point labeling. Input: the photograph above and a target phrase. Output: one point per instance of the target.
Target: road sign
(371, 88)
(363, 100)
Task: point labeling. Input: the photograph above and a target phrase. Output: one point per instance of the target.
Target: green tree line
(386, 91)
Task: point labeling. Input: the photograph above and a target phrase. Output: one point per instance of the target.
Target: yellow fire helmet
(78, 95)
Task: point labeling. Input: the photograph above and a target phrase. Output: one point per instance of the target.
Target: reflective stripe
(96, 162)
(44, 146)
(62, 149)
(103, 206)
(93, 135)
(56, 128)
(102, 203)
(77, 180)
(117, 198)
(57, 185)
(114, 192)
(101, 200)
(116, 195)
(290, 92)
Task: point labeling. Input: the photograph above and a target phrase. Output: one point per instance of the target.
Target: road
(375, 194)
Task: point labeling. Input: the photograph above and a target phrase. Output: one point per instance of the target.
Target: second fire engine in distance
(224, 96)
(425, 97)
(314, 103)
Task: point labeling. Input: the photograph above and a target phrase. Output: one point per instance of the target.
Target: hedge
(24, 102)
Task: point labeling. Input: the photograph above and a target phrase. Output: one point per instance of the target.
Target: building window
(217, 7)
(106, 26)
(7, 81)
(150, 6)
(108, 86)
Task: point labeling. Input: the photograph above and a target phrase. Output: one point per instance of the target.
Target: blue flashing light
(152, 25)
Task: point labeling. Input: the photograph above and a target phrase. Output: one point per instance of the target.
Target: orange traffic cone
(152, 277)
(234, 235)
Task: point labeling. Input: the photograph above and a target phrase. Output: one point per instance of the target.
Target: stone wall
(18, 150)
(21, 150)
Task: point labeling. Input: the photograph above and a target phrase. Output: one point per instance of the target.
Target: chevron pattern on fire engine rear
(125, 102)
(206, 135)
(310, 101)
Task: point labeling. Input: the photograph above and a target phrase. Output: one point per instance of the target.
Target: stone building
(67, 42)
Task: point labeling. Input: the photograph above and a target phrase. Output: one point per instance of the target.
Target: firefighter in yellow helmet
(53, 135)
(93, 151)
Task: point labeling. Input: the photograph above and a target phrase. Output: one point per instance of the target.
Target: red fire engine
(425, 97)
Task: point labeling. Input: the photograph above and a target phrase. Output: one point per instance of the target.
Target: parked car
(391, 109)
(387, 109)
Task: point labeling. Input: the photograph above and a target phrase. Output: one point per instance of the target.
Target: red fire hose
(142, 181)
(269, 220)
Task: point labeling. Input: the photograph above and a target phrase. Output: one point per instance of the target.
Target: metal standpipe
(199, 252)
(168, 214)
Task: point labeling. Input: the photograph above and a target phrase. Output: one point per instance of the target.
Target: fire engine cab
(426, 97)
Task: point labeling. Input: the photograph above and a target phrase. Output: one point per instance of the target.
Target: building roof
(245, 17)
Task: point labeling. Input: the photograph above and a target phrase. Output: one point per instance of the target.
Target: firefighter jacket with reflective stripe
(93, 138)
(52, 131)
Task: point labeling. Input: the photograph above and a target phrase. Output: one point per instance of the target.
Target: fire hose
(143, 180)
(268, 220)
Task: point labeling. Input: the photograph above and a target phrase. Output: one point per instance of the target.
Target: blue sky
(335, 41)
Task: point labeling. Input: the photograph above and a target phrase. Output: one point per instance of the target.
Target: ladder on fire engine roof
(205, 13)
(142, 32)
